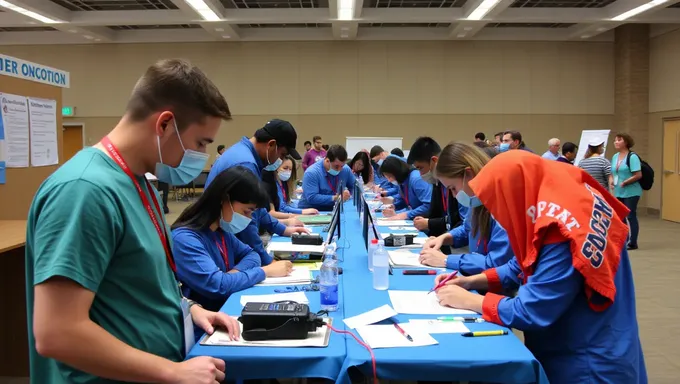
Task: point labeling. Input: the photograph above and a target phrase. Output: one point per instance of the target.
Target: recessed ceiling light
(482, 9)
(26, 12)
(203, 9)
(226, 37)
(97, 39)
(346, 9)
(585, 36)
(344, 28)
(88, 37)
(467, 29)
(219, 29)
(461, 35)
(344, 36)
(638, 10)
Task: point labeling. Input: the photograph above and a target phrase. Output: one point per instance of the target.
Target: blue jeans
(632, 203)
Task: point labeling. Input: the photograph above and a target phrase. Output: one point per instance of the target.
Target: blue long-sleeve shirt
(243, 153)
(319, 187)
(574, 343)
(283, 205)
(461, 233)
(202, 270)
(414, 196)
(483, 254)
(382, 182)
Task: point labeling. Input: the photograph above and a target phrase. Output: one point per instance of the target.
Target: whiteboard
(355, 144)
(586, 137)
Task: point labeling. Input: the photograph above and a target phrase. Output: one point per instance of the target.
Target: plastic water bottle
(371, 250)
(381, 268)
(328, 280)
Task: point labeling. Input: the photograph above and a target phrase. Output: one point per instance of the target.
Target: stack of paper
(319, 338)
(387, 336)
(386, 235)
(288, 247)
(406, 228)
(382, 222)
(299, 276)
(421, 303)
(438, 326)
(402, 259)
(370, 317)
(298, 297)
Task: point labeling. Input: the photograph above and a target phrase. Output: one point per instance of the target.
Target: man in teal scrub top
(103, 302)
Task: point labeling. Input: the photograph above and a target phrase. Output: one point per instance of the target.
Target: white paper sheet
(387, 336)
(299, 276)
(436, 326)
(371, 317)
(420, 240)
(421, 303)
(150, 176)
(386, 223)
(298, 297)
(319, 338)
(406, 259)
(403, 228)
(287, 246)
(586, 137)
(15, 122)
(43, 117)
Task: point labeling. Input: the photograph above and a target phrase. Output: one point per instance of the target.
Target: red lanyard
(283, 191)
(404, 193)
(486, 245)
(223, 251)
(113, 151)
(445, 199)
(328, 180)
(619, 161)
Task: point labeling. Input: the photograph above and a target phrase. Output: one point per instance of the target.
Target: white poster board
(356, 144)
(43, 117)
(586, 137)
(15, 122)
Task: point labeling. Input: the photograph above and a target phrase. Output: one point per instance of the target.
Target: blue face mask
(380, 161)
(275, 165)
(333, 172)
(237, 224)
(189, 168)
(504, 147)
(394, 182)
(466, 200)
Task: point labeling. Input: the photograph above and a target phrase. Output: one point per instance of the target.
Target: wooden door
(670, 204)
(73, 141)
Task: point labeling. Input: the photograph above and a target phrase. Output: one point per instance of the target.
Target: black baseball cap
(282, 132)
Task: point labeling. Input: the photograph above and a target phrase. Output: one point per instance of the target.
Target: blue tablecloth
(498, 359)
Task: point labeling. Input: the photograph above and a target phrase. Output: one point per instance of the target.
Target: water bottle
(328, 281)
(371, 250)
(381, 267)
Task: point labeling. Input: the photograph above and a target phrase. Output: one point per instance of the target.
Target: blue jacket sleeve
(509, 274)
(461, 233)
(310, 190)
(200, 273)
(547, 294)
(244, 257)
(349, 178)
(266, 221)
(423, 192)
(251, 236)
(285, 207)
(498, 253)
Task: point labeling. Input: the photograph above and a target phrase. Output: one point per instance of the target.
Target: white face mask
(285, 175)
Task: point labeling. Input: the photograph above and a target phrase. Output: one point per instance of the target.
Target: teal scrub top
(621, 172)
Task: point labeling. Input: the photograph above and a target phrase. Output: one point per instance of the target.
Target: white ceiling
(148, 21)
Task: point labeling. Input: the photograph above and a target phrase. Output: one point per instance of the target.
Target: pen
(484, 333)
(419, 272)
(462, 319)
(391, 270)
(401, 330)
(443, 282)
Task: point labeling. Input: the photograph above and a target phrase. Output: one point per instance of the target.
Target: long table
(500, 359)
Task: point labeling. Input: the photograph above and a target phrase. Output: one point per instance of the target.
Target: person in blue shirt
(322, 179)
(378, 155)
(553, 152)
(626, 182)
(575, 301)
(211, 262)
(414, 192)
(264, 151)
(487, 240)
(280, 186)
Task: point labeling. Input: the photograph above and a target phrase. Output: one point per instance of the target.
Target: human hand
(388, 212)
(387, 200)
(199, 370)
(433, 258)
(461, 281)
(420, 223)
(455, 297)
(310, 211)
(295, 222)
(345, 195)
(209, 320)
(278, 268)
(292, 230)
(433, 242)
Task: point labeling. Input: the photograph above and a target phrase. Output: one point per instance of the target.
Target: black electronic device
(396, 240)
(278, 321)
(306, 239)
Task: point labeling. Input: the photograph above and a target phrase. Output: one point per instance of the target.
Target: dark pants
(632, 203)
(165, 188)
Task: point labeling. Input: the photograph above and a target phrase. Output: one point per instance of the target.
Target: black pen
(391, 271)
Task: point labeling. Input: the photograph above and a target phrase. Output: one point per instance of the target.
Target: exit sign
(68, 111)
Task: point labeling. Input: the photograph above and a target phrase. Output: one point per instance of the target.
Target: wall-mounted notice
(43, 117)
(2, 150)
(15, 122)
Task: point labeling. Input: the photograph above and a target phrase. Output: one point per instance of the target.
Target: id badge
(616, 180)
(189, 340)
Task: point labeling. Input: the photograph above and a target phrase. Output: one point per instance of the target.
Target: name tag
(189, 340)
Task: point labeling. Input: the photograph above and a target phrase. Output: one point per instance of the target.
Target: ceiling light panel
(29, 13)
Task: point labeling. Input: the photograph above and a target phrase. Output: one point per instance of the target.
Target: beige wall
(664, 101)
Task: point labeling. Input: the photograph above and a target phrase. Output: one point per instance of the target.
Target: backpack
(647, 179)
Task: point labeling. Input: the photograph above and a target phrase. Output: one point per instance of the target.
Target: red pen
(401, 330)
(443, 282)
(420, 272)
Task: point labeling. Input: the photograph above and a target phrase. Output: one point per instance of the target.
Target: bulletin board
(22, 183)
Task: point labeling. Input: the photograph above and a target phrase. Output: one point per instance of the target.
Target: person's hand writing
(461, 281)
(199, 370)
(278, 268)
(433, 243)
(457, 297)
(291, 230)
(345, 195)
(388, 212)
(420, 223)
(387, 200)
(310, 211)
(432, 257)
(209, 320)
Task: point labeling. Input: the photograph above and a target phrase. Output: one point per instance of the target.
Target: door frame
(76, 124)
(663, 138)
